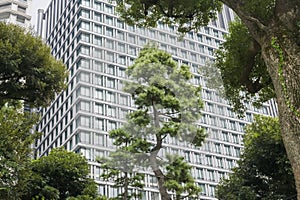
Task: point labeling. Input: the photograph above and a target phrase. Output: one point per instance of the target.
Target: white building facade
(97, 47)
(15, 11)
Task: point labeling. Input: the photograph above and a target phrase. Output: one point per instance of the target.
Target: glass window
(98, 108)
(120, 35)
(85, 91)
(85, 13)
(85, 77)
(98, 80)
(85, 25)
(84, 37)
(98, 53)
(83, 137)
(99, 124)
(110, 82)
(98, 28)
(109, 32)
(99, 139)
(121, 47)
(97, 17)
(99, 94)
(111, 69)
(98, 40)
(109, 20)
(120, 24)
(84, 121)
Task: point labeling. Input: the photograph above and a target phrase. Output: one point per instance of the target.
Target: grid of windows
(97, 47)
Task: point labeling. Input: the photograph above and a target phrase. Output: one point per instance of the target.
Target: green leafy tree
(28, 70)
(272, 46)
(60, 175)
(167, 106)
(15, 140)
(264, 171)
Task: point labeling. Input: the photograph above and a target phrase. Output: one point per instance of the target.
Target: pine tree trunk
(160, 179)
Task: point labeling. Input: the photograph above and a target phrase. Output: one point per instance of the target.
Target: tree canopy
(28, 70)
(60, 175)
(264, 171)
(168, 106)
(274, 31)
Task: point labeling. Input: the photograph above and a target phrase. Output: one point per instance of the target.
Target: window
(85, 91)
(111, 97)
(99, 124)
(111, 111)
(109, 20)
(97, 17)
(132, 50)
(99, 94)
(97, 5)
(98, 108)
(86, 2)
(123, 100)
(85, 25)
(98, 80)
(121, 47)
(99, 139)
(110, 56)
(85, 13)
(110, 83)
(98, 53)
(120, 24)
(84, 63)
(98, 66)
(111, 69)
(98, 40)
(109, 32)
(108, 9)
(84, 77)
(122, 60)
(98, 28)
(84, 121)
(84, 50)
(120, 35)
(83, 137)
(84, 37)
(131, 39)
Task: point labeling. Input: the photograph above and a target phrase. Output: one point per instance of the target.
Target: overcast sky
(34, 6)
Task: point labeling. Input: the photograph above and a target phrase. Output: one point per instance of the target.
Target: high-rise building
(97, 47)
(15, 11)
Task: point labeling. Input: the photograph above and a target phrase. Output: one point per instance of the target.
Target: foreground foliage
(60, 175)
(272, 46)
(264, 171)
(15, 140)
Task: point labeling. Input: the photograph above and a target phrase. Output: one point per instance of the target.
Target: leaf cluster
(179, 179)
(60, 175)
(28, 70)
(161, 90)
(243, 71)
(264, 171)
(188, 14)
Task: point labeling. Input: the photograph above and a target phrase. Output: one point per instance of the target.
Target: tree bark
(284, 71)
(287, 88)
(153, 160)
